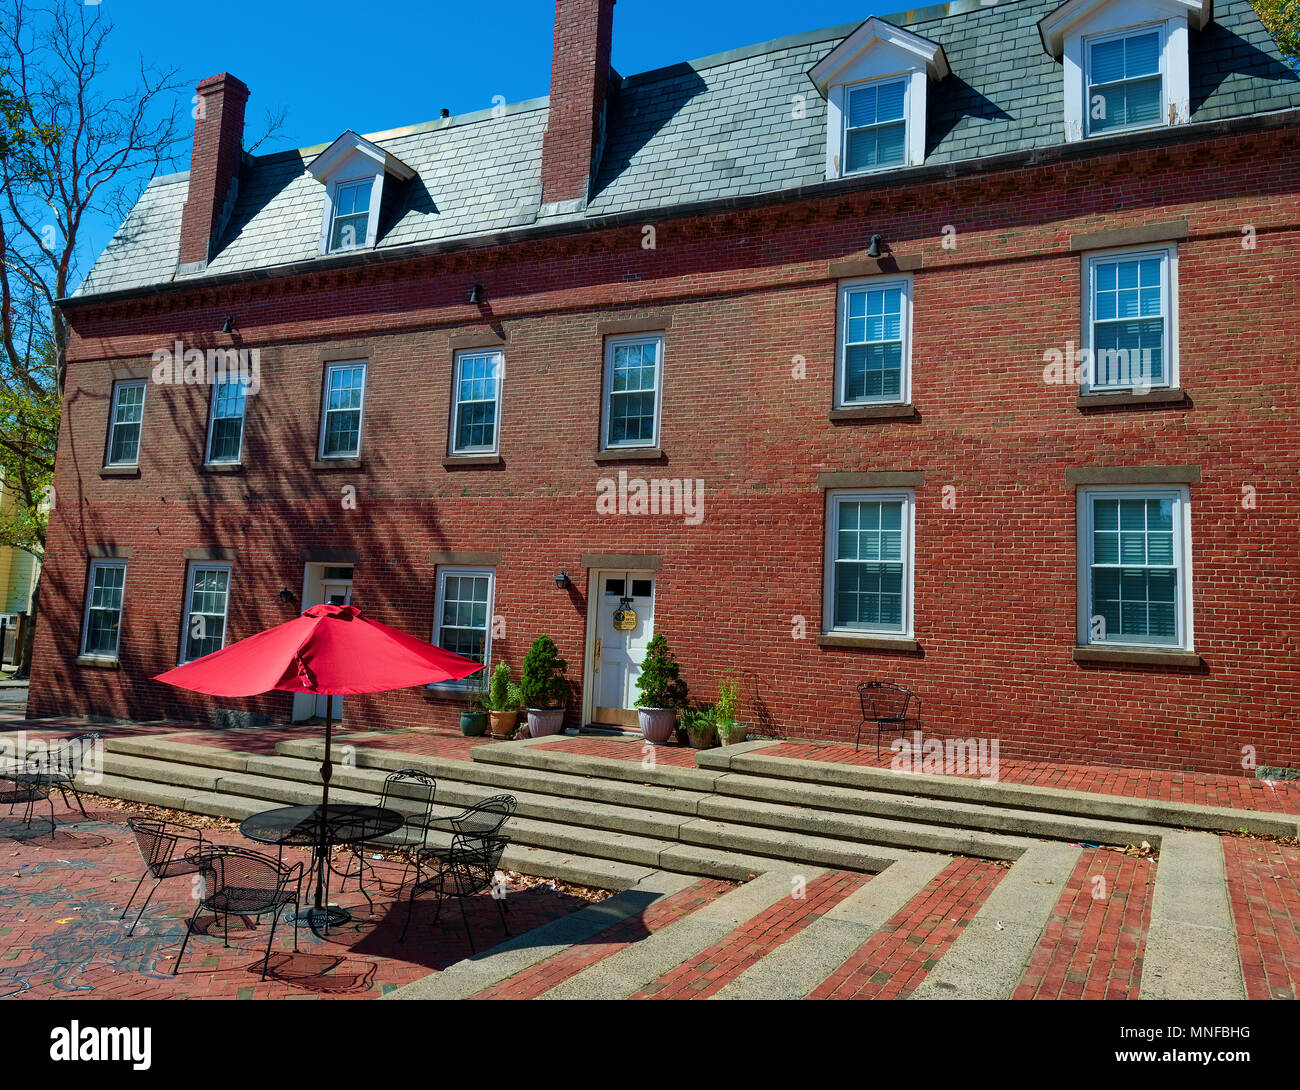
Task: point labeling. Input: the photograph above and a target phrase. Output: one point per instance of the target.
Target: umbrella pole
(326, 771)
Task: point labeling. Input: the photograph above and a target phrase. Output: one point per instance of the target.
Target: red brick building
(957, 349)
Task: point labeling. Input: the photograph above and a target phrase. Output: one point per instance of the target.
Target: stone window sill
(904, 644)
(223, 467)
(1137, 656)
(336, 463)
(119, 471)
(629, 454)
(97, 661)
(1127, 398)
(855, 414)
(467, 461)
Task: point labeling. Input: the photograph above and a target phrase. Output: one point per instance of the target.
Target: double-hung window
(1134, 567)
(1129, 326)
(477, 410)
(1124, 81)
(345, 388)
(126, 418)
(633, 390)
(351, 214)
(226, 427)
(874, 365)
(463, 612)
(868, 576)
(875, 125)
(206, 606)
(101, 627)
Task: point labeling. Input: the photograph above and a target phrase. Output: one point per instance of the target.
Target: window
(1129, 327)
(345, 387)
(207, 602)
(102, 624)
(1124, 82)
(126, 420)
(351, 214)
(633, 373)
(463, 612)
(868, 563)
(226, 428)
(478, 402)
(1134, 570)
(875, 126)
(875, 343)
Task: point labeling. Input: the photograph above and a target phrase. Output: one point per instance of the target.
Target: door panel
(618, 653)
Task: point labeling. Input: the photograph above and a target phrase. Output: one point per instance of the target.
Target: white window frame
(373, 181)
(118, 387)
(1168, 252)
(439, 601)
(212, 422)
(1089, 40)
(875, 283)
(834, 497)
(461, 356)
(1182, 550)
(330, 368)
(845, 92)
(611, 343)
(190, 569)
(97, 565)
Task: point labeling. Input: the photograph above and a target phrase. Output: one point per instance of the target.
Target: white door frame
(315, 590)
(589, 674)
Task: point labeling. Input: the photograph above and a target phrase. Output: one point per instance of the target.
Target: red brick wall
(747, 292)
(579, 83)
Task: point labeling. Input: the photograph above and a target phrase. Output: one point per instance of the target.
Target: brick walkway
(61, 896)
(1092, 946)
(1264, 888)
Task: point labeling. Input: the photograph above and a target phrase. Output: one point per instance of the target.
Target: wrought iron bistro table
(302, 827)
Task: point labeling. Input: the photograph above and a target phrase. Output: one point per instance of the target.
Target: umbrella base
(325, 918)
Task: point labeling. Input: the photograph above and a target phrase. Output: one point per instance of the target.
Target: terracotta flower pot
(657, 724)
(544, 721)
(503, 723)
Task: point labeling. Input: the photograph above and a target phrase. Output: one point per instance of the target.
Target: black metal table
(301, 827)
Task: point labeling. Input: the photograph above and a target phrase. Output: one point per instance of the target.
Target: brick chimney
(214, 168)
(575, 131)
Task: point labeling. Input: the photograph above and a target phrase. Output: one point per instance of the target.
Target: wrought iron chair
(59, 766)
(158, 846)
(411, 793)
(19, 787)
(482, 819)
(242, 882)
(890, 707)
(468, 867)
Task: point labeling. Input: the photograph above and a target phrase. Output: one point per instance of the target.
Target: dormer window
(351, 214)
(1125, 62)
(875, 85)
(358, 177)
(1124, 81)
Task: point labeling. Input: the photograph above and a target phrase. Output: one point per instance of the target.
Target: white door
(336, 593)
(625, 608)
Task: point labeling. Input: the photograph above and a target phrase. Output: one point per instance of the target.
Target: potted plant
(473, 720)
(503, 700)
(700, 725)
(728, 707)
(544, 687)
(662, 692)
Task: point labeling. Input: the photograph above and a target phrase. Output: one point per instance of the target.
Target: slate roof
(715, 128)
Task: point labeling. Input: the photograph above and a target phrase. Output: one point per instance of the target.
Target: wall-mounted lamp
(562, 581)
(228, 326)
(476, 293)
(876, 240)
(286, 597)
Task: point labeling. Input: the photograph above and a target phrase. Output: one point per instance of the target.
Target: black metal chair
(158, 847)
(890, 707)
(242, 882)
(482, 819)
(19, 787)
(59, 766)
(468, 867)
(411, 793)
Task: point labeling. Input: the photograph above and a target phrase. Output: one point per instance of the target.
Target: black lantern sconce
(476, 293)
(874, 251)
(228, 326)
(286, 597)
(562, 581)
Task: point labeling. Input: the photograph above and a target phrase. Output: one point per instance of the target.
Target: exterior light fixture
(228, 326)
(476, 293)
(285, 596)
(562, 581)
(876, 240)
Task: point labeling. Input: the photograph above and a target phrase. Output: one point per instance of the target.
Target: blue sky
(382, 64)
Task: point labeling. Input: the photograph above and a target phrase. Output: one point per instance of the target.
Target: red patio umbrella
(330, 650)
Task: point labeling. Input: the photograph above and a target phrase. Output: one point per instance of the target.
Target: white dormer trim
(877, 51)
(347, 161)
(1068, 29)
